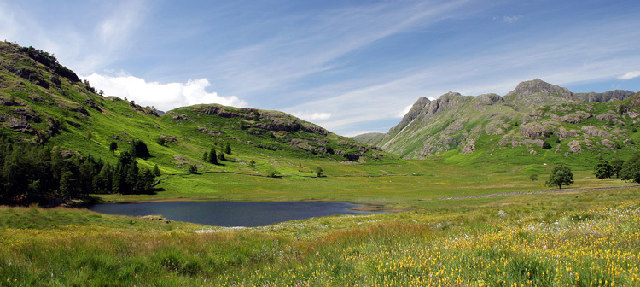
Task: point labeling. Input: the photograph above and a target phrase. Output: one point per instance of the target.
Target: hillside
(535, 117)
(44, 102)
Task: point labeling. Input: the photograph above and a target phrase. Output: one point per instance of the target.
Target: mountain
(42, 101)
(536, 115)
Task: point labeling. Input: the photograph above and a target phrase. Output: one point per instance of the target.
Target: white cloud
(404, 111)
(630, 75)
(431, 98)
(313, 116)
(511, 19)
(162, 96)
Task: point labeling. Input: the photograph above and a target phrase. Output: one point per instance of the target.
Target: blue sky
(350, 66)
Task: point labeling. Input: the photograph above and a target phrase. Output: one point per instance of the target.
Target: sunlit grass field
(587, 238)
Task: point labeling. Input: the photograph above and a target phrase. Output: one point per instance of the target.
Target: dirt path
(540, 191)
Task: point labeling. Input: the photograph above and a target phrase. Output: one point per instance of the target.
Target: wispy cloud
(85, 43)
(318, 41)
(629, 75)
(511, 19)
(564, 58)
(163, 96)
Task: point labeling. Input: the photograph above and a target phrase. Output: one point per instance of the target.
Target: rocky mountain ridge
(532, 112)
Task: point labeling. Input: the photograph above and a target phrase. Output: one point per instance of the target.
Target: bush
(546, 145)
(533, 177)
(193, 169)
(319, 172)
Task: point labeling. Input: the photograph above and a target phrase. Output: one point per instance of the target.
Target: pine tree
(213, 158)
(227, 148)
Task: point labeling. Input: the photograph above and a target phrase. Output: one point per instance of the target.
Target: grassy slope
(586, 238)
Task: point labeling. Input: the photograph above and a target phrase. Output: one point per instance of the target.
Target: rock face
(533, 114)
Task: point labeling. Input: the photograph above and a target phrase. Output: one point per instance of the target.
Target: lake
(230, 213)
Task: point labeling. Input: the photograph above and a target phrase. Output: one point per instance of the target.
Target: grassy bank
(583, 238)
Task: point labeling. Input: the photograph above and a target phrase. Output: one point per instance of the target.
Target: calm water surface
(230, 213)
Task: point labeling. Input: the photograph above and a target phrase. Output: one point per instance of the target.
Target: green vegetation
(584, 238)
(560, 175)
(473, 211)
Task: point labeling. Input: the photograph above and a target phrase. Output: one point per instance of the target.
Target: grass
(582, 238)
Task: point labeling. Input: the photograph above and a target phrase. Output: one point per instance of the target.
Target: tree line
(35, 173)
(625, 170)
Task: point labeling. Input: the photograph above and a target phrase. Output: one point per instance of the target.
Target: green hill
(536, 118)
(42, 101)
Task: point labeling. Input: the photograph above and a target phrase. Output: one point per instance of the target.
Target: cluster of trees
(214, 157)
(625, 170)
(31, 173)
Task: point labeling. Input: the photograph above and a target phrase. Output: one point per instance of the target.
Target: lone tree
(631, 169)
(139, 149)
(560, 175)
(603, 170)
(193, 169)
(213, 158)
(319, 172)
(227, 148)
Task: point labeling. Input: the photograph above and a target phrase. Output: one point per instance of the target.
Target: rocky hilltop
(536, 115)
(42, 101)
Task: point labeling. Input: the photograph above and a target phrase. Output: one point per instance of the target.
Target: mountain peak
(538, 87)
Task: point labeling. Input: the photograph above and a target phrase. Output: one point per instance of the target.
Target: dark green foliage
(631, 169)
(128, 179)
(533, 177)
(213, 158)
(560, 175)
(616, 166)
(193, 169)
(113, 146)
(205, 156)
(139, 149)
(156, 170)
(221, 157)
(546, 145)
(33, 173)
(603, 170)
(319, 172)
(227, 148)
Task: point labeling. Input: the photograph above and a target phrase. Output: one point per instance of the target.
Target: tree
(560, 175)
(156, 170)
(193, 169)
(205, 157)
(227, 148)
(546, 145)
(113, 146)
(631, 169)
(140, 149)
(221, 157)
(213, 158)
(616, 166)
(603, 170)
(319, 172)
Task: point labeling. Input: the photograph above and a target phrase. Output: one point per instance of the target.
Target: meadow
(585, 238)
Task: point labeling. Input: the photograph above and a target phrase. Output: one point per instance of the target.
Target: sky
(349, 66)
